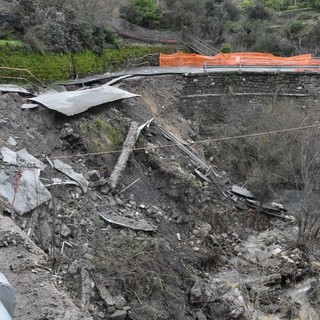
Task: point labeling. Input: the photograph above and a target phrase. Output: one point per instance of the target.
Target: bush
(226, 48)
(257, 12)
(271, 43)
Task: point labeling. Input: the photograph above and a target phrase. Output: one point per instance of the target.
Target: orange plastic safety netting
(234, 59)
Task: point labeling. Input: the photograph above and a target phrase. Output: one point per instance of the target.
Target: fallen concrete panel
(75, 102)
(8, 155)
(13, 88)
(68, 171)
(21, 158)
(242, 192)
(25, 193)
(25, 158)
(140, 225)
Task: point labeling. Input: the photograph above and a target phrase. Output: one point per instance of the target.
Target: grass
(101, 136)
(59, 67)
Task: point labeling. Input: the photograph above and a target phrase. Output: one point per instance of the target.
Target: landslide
(211, 256)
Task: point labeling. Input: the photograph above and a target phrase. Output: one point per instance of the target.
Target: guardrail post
(7, 299)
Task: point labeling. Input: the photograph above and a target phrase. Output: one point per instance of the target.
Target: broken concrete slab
(26, 159)
(4, 88)
(21, 158)
(242, 192)
(75, 102)
(8, 155)
(24, 193)
(140, 225)
(12, 142)
(68, 171)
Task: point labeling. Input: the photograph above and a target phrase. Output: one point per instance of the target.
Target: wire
(190, 143)
(169, 145)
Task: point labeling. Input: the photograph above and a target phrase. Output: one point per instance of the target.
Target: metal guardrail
(7, 299)
(278, 67)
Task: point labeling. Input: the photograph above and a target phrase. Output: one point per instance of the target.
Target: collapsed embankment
(207, 255)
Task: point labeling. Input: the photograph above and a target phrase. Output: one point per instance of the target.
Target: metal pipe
(7, 299)
(4, 314)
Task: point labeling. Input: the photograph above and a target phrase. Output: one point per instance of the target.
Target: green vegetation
(54, 67)
(145, 13)
(101, 136)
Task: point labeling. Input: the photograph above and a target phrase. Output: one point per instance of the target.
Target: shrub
(226, 48)
(257, 12)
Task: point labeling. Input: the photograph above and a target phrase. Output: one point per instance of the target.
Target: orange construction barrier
(181, 59)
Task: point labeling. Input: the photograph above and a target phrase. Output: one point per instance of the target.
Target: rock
(65, 231)
(100, 182)
(200, 315)
(119, 302)
(205, 230)
(197, 295)
(119, 315)
(105, 189)
(94, 175)
(276, 252)
(195, 232)
(178, 236)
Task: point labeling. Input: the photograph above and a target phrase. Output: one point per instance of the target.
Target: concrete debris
(24, 191)
(202, 176)
(21, 158)
(68, 171)
(128, 146)
(4, 88)
(242, 192)
(26, 159)
(140, 225)
(29, 106)
(8, 156)
(75, 102)
(12, 142)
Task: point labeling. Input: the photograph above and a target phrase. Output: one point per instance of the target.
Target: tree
(145, 13)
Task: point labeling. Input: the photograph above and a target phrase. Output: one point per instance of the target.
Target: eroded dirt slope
(209, 256)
